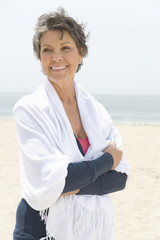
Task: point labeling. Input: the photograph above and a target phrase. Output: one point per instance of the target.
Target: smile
(58, 68)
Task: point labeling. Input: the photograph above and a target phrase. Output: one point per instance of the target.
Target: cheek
(44, 58)
(74, 59)
(44, 66)
(44, 61)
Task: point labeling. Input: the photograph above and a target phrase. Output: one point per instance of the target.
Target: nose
(56, 56)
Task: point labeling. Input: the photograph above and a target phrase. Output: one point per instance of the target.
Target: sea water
(122, 109)
(132, 109)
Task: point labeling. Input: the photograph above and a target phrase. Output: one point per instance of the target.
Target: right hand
(116, 154)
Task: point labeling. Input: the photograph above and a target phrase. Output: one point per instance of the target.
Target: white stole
(48, 145)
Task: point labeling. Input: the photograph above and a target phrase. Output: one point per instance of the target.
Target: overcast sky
(124, 45)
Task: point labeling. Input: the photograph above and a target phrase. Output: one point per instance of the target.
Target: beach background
(124, 58)
(138, 206)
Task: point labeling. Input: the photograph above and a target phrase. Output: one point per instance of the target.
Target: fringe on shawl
(101, 221)
(47, 238)
(44, 214)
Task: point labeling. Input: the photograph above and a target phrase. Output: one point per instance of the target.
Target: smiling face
(59, 56)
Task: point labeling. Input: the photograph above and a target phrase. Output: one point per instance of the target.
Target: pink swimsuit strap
(84, 143)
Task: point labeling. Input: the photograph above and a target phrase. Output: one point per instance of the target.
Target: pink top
(84, 143)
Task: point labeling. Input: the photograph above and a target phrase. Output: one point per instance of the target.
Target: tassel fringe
(44, 215)
(47, 238)
(100, 221)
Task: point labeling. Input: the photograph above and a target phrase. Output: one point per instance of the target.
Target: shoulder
(92, 103)
(102, 111)
(35, 100)
(32, 108)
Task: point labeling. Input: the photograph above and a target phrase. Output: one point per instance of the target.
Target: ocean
(122, 109)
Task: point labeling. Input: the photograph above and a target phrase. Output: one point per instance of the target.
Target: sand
(137, 207)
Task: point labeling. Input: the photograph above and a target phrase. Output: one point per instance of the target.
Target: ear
(80, 59)
(82, 52)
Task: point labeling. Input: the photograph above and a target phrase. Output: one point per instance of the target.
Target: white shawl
(47, 146)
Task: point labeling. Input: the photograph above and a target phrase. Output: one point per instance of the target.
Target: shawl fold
(47, 146)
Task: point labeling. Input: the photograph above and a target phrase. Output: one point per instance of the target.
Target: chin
(57, 80)
(60, 79)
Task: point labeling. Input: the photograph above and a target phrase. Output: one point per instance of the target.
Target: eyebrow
(48, 45)
(45, 45)
(66, 43)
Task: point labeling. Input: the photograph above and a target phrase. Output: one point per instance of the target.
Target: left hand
(73, 192)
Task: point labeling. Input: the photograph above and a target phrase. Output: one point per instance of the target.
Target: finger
(113, 144)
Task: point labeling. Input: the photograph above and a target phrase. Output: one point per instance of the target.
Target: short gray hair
(60, 21)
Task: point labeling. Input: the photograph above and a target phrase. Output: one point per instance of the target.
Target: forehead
(55, 36)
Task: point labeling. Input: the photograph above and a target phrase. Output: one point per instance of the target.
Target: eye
(66, 48)
(47, 50)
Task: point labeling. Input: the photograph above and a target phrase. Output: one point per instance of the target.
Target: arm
(82, 173)
(111, 181)
(44, 167)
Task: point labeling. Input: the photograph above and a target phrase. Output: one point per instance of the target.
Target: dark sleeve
(81, 174)
(109, 182)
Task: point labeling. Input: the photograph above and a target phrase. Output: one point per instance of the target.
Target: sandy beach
(137, 207)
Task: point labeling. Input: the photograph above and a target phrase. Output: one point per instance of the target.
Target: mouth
(60, 68)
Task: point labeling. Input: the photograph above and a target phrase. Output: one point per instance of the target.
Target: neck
(65, 92)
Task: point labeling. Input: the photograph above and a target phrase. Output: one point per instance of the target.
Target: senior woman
(70, 159)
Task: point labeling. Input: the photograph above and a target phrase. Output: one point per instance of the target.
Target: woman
(69, 155)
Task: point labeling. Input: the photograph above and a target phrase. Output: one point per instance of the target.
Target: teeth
(58, 68)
